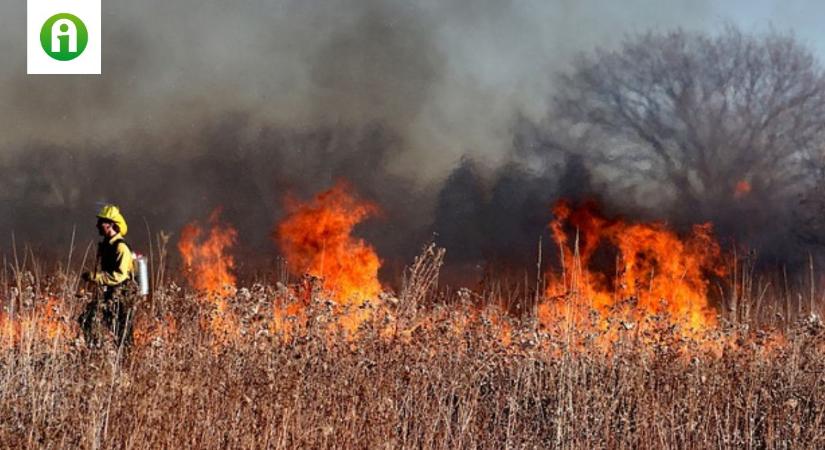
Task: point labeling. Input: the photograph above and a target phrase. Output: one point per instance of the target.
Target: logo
(64, 36)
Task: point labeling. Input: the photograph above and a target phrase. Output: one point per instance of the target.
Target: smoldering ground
(436, 111)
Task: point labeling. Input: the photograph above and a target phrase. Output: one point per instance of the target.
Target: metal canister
(142, 274)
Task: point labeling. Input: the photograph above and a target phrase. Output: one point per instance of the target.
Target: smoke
(421, 105)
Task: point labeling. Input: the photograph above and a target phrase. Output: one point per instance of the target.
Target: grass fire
(424, 225)
(327, 355)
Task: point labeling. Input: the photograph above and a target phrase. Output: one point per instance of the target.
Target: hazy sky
(448, 76)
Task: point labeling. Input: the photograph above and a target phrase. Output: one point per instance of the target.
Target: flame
(287, 319)
(44, 322)
(656, 273)
(742, 188)
(316, 239)
(209, 267)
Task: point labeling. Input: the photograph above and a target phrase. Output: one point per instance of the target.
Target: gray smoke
(428, 108)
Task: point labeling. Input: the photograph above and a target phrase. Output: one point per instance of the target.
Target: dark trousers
(114, 311)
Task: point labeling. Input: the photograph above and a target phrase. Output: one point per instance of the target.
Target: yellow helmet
(111, 212)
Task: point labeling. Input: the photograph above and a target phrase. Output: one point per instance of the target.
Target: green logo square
(64, 36)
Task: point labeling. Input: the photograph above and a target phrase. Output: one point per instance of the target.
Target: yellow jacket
(115, 260)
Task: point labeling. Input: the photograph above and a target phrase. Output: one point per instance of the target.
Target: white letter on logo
(64, 27)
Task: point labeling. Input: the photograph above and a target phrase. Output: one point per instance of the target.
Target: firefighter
(113, 277)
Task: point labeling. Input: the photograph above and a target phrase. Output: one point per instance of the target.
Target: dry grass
(441, 378)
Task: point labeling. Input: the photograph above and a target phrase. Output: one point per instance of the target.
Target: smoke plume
(433, 110)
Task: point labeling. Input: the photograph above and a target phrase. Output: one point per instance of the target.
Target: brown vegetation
(427, 369)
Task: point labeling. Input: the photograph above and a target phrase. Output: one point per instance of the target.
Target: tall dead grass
(443, 378)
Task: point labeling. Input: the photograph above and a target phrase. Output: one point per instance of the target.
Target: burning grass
(661, 271)
(424, 370)
(316, 239)
(327, 359)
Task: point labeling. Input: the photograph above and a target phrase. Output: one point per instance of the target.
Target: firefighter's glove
(87, 276)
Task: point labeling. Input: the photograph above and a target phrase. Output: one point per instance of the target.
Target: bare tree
(705, 118)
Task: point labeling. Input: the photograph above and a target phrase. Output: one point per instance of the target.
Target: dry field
(324, 356)
(281, 367)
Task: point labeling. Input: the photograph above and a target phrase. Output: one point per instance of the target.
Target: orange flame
(742, 188)
(656, 272)
(287, 319)
(44, 322)
(316, 239)
(209, 267)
